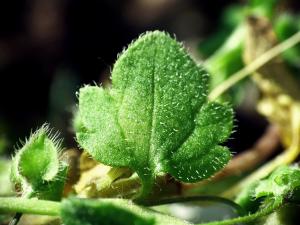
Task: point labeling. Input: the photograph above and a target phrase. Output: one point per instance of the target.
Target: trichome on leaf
(36, 167)
(156, 117)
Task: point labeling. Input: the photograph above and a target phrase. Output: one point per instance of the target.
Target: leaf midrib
(151, 152)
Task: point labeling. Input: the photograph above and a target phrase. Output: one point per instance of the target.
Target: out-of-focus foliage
(6, 188)
(287, 24)
(281, 185)
(223, 50)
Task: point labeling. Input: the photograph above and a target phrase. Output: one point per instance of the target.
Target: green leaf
(264, 199)
(36, 166)
(281, 186)
(281, 183)
(155, 118)
(53, 190)
(76, 211)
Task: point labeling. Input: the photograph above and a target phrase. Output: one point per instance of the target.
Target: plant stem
(249, 218)
(50, 208)
(257, 63)
(15, 220)
(30, 206)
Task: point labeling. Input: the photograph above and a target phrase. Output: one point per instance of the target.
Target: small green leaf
(282, 182)
(155, 118)
(282, 185)
(36, 166)
(53, 190)
(76, 211)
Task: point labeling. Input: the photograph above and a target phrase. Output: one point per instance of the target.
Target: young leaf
(281, 185)
(37, 169)
(76, 211)
(155, 118)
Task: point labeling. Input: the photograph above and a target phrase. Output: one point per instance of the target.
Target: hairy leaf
(282, 182)
(281, 185)
(155, 118)
(37, 169)
(76, 211)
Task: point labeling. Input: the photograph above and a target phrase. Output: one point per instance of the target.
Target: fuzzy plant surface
(36, 167)
(156, 117)
(280, 184)
(76, 211)
(280, 187)
(275, 192)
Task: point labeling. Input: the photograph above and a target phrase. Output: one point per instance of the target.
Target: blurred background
(50, 48)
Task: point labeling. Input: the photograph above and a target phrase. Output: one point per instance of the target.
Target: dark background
(50, 48)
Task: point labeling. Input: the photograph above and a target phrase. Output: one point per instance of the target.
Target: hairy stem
(30, 206)
(50, 208)
(15, 220)
(249, 218)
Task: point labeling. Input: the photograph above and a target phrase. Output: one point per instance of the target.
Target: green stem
(50, 208)
(237, 207)
(15, 220)
(249, 218)
(30, 206)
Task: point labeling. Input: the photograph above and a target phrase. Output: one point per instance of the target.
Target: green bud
(36, 166)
